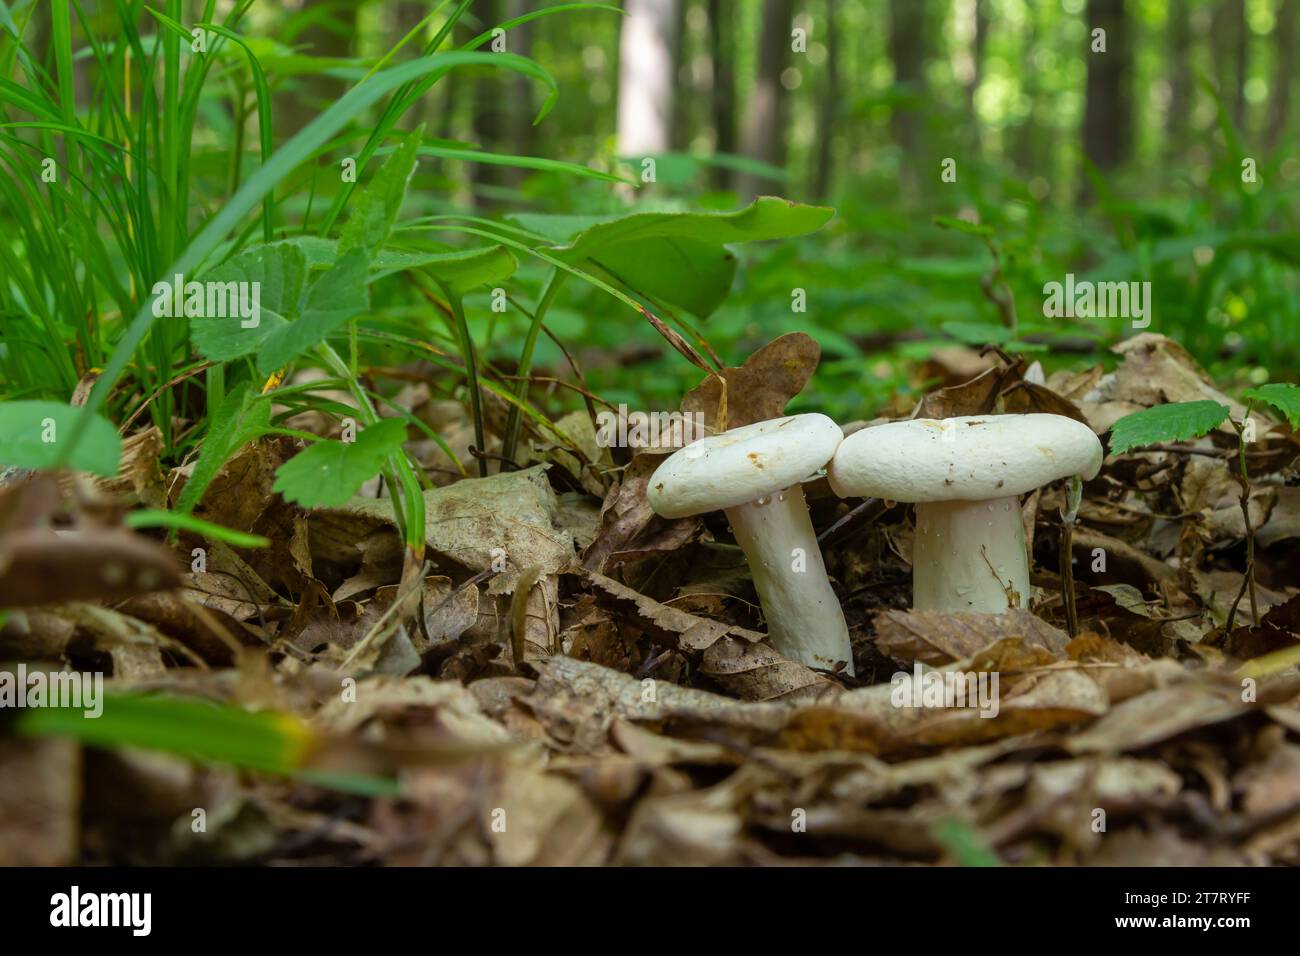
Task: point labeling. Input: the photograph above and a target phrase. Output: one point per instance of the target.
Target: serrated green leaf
(330, 472)
(338, 294)
(1178, 421)
(461, 270)
(242, 417)
(1282, 396)
(280, 270)
(31, 434)
(377, 208)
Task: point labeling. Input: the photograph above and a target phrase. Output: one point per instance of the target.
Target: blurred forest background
(1170, 158)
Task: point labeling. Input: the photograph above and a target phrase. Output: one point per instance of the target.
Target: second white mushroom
(965, 476)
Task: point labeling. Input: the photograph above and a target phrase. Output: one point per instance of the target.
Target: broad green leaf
(1283, 396)
(329, 473)
(242, 417)
(32, 433)
(457, 271)
(280, 271)
(1178, 421)
(338, 294)
(376, 210)
(680, 258)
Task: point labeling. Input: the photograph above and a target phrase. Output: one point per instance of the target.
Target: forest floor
(574, 680)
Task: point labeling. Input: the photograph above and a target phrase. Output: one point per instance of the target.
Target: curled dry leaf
(761, 388)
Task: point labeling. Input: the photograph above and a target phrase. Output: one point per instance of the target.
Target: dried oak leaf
(761, 388)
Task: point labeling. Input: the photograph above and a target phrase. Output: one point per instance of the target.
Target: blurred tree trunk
(722, 26)
(1178, 54)
(330, 34)
(523, 132)
(1028, 142)
(832, 96)
(978, 45)
(1230, 37)
(491, 108)
(907, 51)
(1284, 69)
(405, 17)
(764, 134)
(1108, 107)
(646, 77)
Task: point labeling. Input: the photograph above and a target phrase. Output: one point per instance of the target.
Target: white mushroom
(753, 473)
(965, 476)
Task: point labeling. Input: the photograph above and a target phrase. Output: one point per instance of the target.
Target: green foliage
(281, 270)
(242, 417)
(336, 296)
(1178, 421)
(154, 518)
(33, 435)
(266, 741)
(1282, 396)
(375, 212)
(330, 472)
(678, 258)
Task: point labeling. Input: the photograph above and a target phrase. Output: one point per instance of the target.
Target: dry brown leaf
(936, 638)
(761, 388)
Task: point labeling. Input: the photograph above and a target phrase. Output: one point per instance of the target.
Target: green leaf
(301, 147)
(461, 270)
(32, 434)
(964, 843)
(268, 741)
(242, 417)
(280, 271)
(1280, 395)
(339, 294)
(1178, 421)
(377, 208)
(674, 257)
(329, 473)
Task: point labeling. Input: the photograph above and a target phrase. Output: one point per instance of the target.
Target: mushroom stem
(969, 556)
(804, 619)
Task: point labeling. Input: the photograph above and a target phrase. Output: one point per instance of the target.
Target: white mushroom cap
(742, 465)
(971, 458)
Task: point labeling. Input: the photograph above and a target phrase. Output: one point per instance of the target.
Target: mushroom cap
(742, 465)
(971, 458)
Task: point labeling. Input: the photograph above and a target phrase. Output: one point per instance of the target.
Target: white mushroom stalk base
(804, 619)
(969, 556)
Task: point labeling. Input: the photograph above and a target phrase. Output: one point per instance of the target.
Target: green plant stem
(466, 342)
(553, 283)
(399, 474)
